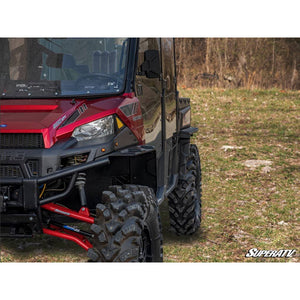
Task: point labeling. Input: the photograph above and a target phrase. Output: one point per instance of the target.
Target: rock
(282, 223)
(266, 169)
(225, 147)
(254, 163)
(240, 235)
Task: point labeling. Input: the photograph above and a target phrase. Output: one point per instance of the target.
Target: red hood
(34, 114)
(46, 115)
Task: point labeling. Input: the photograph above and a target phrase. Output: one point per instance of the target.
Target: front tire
(185, 199)
(127, 226)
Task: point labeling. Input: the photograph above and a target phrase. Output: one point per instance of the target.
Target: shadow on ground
(40, 248)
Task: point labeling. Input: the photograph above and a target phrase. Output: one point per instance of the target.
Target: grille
(21, 140)
(10, 171)
(33, 166)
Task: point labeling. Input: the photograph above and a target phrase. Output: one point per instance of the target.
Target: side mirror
(151, 65)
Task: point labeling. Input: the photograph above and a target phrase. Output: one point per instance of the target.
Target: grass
(243, 208)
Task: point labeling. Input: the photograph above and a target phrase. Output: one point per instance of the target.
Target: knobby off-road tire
(185, 199)
(127, 226)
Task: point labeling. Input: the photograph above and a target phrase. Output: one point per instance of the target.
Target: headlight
(95, 129)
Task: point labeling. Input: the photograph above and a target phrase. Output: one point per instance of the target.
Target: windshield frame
(125, 88)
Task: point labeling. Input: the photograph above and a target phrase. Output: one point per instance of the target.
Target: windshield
(56, 67)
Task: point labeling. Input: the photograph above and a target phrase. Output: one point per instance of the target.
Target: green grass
(242, 208)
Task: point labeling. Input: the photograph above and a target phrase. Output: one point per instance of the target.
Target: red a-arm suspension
(68, 232)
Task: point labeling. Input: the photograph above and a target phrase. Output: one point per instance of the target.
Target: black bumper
(30, 215)
(31, 168)
(30, 185)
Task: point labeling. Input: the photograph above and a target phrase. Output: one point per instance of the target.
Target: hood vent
(75, 115)
(71, 119)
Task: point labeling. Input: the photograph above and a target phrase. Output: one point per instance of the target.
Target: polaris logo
(59, 121)
(7, 155)
(270, 253)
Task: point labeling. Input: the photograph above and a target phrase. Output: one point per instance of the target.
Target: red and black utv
(92, 130)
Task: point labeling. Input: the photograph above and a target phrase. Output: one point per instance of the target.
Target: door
(169, 102)
(148, 91)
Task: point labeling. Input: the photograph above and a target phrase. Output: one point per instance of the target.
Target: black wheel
(127, 226)
(185, 199)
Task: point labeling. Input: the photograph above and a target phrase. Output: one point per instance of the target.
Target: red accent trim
(75, 237)
(129, 95)
(68, 212)
(22, 130)
(28, 107)
(134, 122)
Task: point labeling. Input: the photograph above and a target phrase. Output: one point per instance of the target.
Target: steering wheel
(94, 78)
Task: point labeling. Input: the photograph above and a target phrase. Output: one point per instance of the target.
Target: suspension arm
(68, 212)
(75, 237)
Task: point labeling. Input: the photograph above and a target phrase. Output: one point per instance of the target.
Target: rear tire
(127, 226)
(185, 199)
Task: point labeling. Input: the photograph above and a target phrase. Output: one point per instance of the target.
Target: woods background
(238, 62)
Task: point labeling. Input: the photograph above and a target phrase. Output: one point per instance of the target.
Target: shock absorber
(80, 183)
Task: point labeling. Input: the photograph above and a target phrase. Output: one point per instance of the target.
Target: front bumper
(30, 169)
(27, 212)
(30, 186)
(24, 172)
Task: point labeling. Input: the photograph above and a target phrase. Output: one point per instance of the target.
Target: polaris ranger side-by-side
(93, 130)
